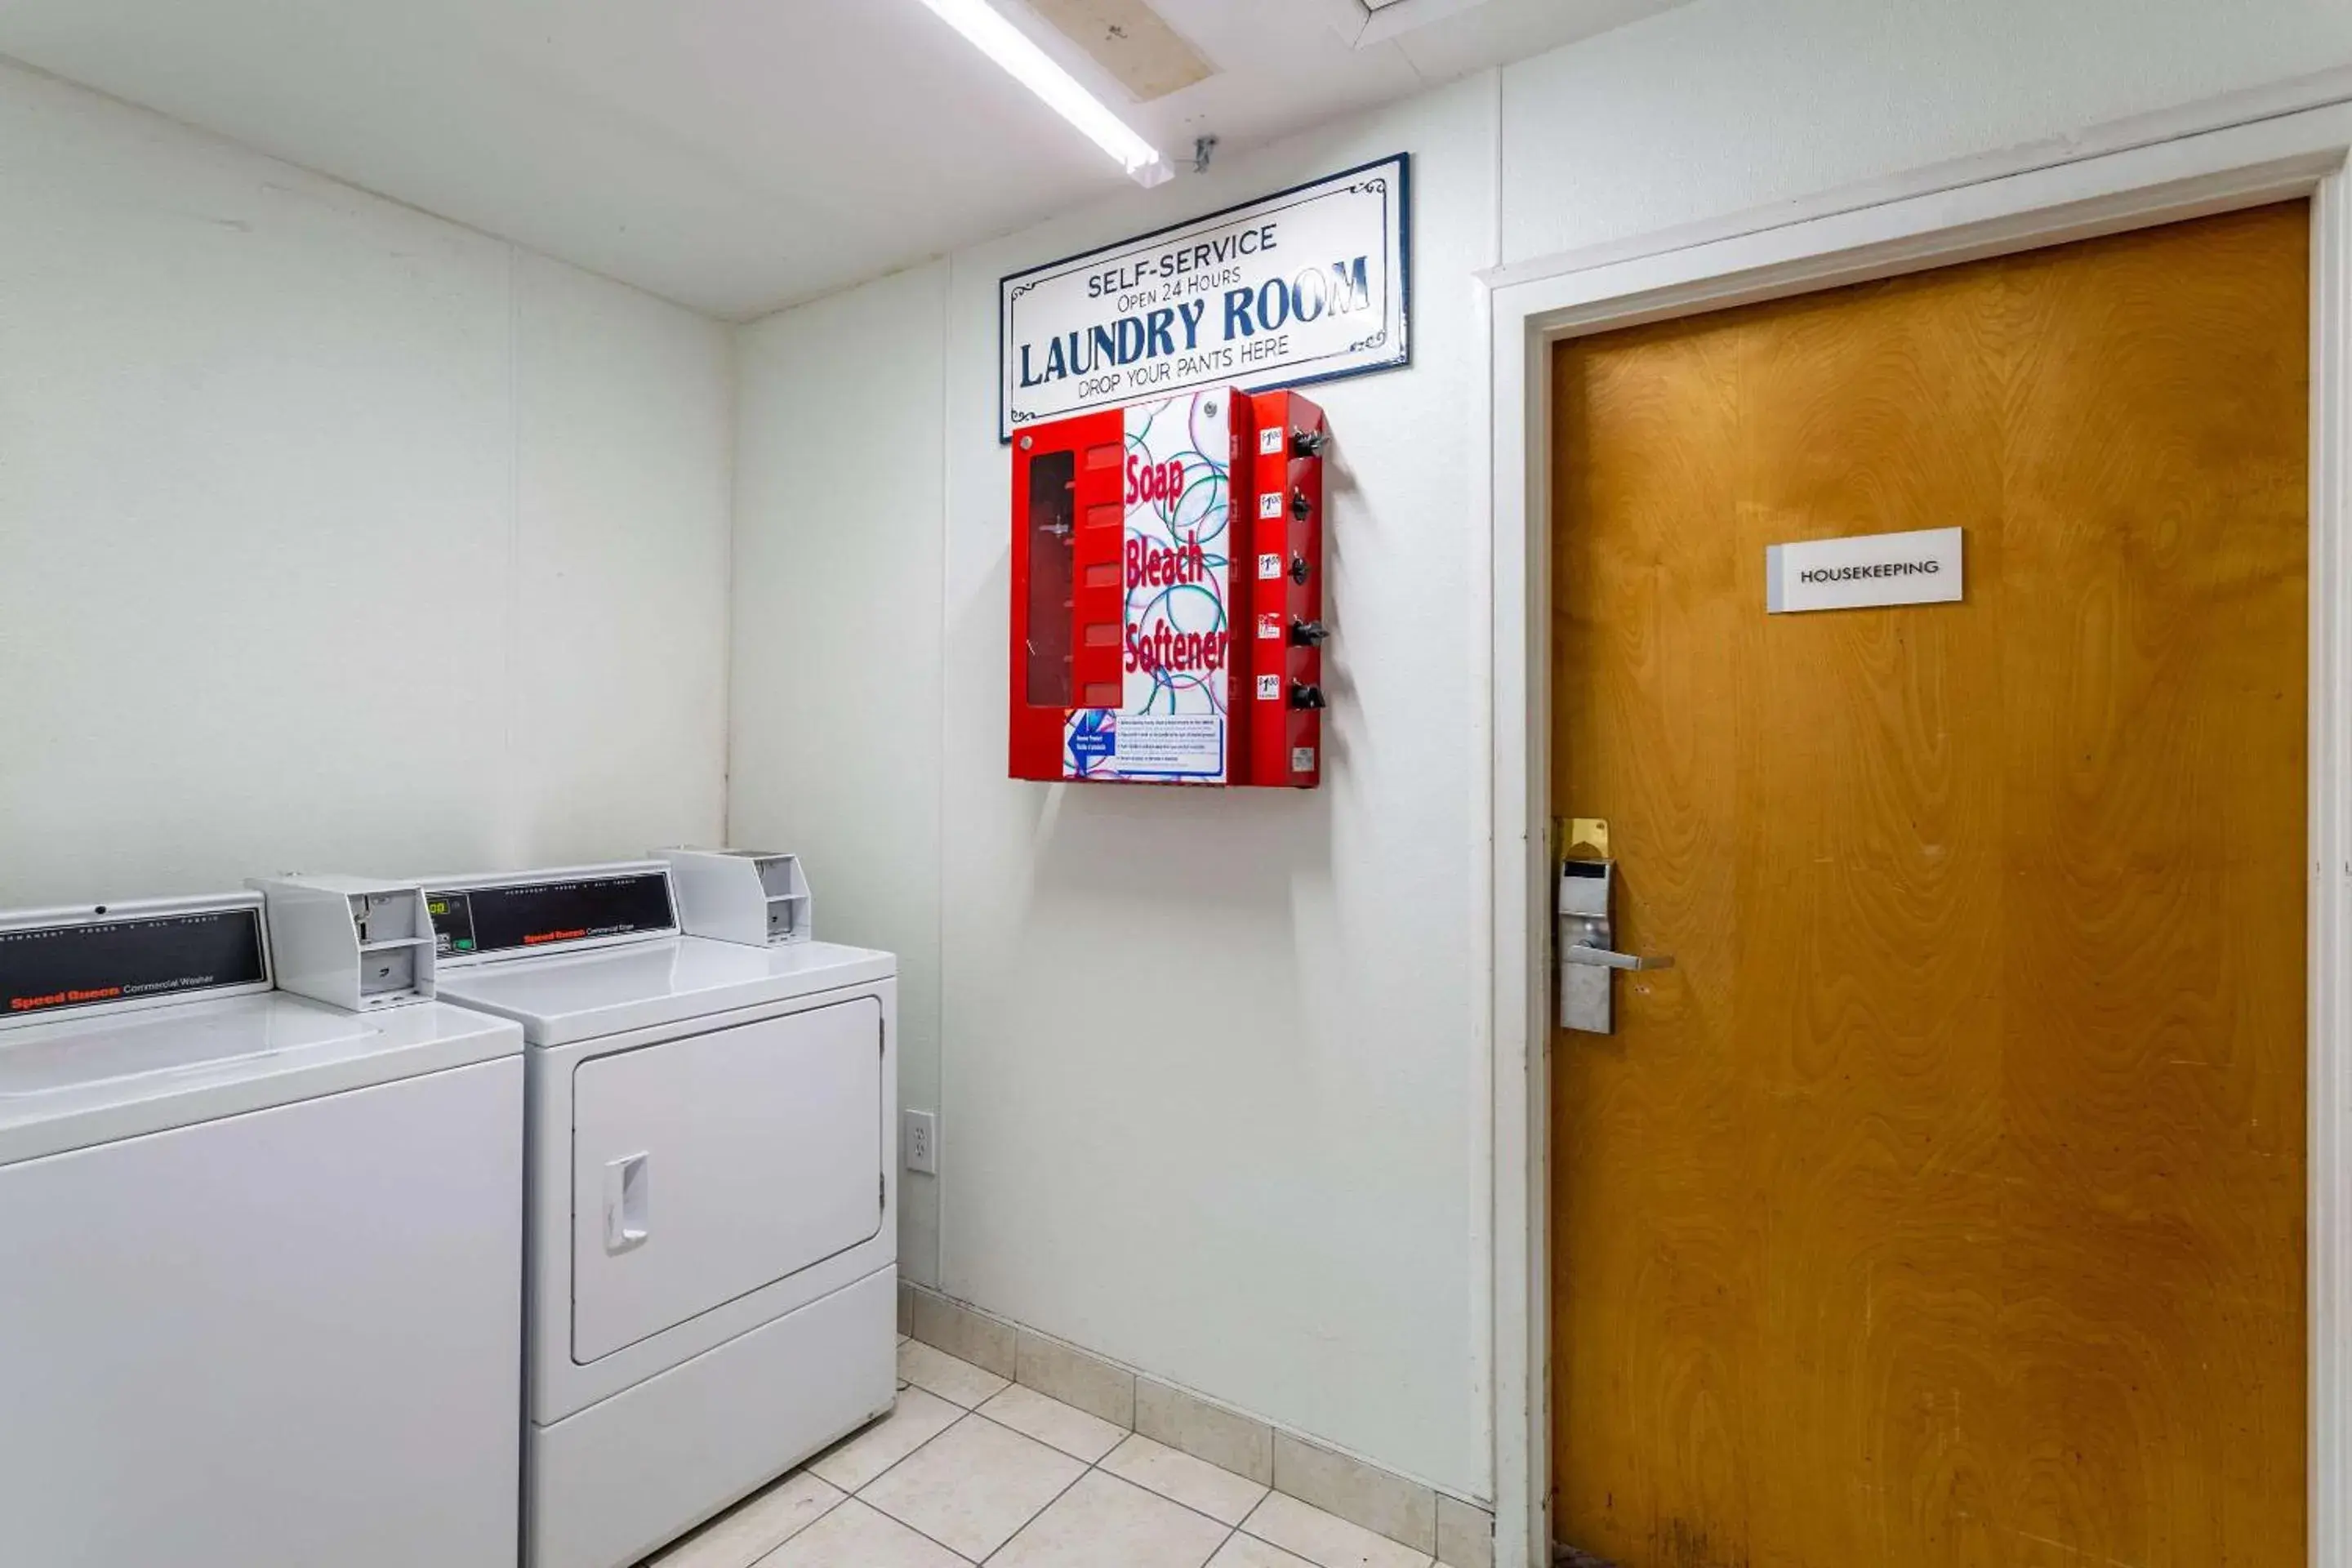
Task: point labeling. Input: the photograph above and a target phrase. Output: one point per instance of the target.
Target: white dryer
(711, 1209)
(260, 1282)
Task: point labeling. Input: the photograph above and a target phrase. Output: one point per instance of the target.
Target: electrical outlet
(921, 1139)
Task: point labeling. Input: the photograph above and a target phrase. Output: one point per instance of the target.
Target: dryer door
(707, 1167)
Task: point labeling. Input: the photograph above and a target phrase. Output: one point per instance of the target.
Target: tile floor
(970, 1468)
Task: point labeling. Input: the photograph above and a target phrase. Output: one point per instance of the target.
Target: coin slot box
(352, 943)
(383, 920)
(388, 973)
(789, 901)
(753, 897)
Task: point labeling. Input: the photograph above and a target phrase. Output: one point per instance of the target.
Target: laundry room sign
(1305, 285)
(1863, 571)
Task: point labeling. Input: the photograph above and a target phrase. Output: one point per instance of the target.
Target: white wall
(1205, 1101)
(1722, 106)
(331, 534)
(837, 732)
(1286, 1207)
(1207, 1104)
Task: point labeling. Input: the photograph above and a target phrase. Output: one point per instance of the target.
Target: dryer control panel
(539, 911)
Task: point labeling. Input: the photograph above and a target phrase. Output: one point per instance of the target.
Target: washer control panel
(56, 961)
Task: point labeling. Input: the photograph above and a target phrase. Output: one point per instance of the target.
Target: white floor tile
(1249, 1551)
(1053, 1423)
(1195, 1483)
(918, 1417)
(754, 1527)
(1326, 1540)
(1103, 1521)
(855, 1536)
(973, 1485)
(957, 1382)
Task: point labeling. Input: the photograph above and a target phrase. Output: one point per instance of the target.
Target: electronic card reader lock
(1587, 946)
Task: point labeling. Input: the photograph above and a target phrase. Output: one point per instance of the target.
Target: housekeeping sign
(1304, 285)
(1865, 570)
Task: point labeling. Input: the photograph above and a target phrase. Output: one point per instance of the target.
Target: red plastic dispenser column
(1066, 545)
(1123, 581)
(1286, 591)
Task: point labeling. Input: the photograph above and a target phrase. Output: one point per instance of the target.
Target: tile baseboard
(1385, 1504)
(1459, 1531)
(963, 1332)
(1466, 1533)
(1061, 1371)
(1225, 1439)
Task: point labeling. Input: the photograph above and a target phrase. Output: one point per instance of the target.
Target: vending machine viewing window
(1052, 520)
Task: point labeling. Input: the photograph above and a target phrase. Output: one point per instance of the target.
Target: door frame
(2295, 140)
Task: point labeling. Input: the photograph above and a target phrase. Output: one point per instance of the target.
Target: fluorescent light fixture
(1011, 47)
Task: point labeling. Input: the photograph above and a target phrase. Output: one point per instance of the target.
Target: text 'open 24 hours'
(1304, 285)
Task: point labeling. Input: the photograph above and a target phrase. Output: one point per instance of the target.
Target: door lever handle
(626, 1201)
(1602, 958)
(1583, 946)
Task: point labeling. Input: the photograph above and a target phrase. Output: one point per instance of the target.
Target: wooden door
(1945, 1205)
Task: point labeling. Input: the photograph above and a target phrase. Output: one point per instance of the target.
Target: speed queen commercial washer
(712, 1213)
(261, 1257)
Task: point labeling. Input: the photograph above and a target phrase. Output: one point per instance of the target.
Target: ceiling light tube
(1011, 47)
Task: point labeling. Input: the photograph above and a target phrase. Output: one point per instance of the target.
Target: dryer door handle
(627, 1202)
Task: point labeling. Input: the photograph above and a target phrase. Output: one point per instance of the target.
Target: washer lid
(581, 996)
(68, 1082)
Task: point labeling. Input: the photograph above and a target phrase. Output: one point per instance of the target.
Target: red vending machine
(1168, 592)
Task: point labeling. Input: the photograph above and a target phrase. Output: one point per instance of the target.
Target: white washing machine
(260, 1282)
(711, 1212)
